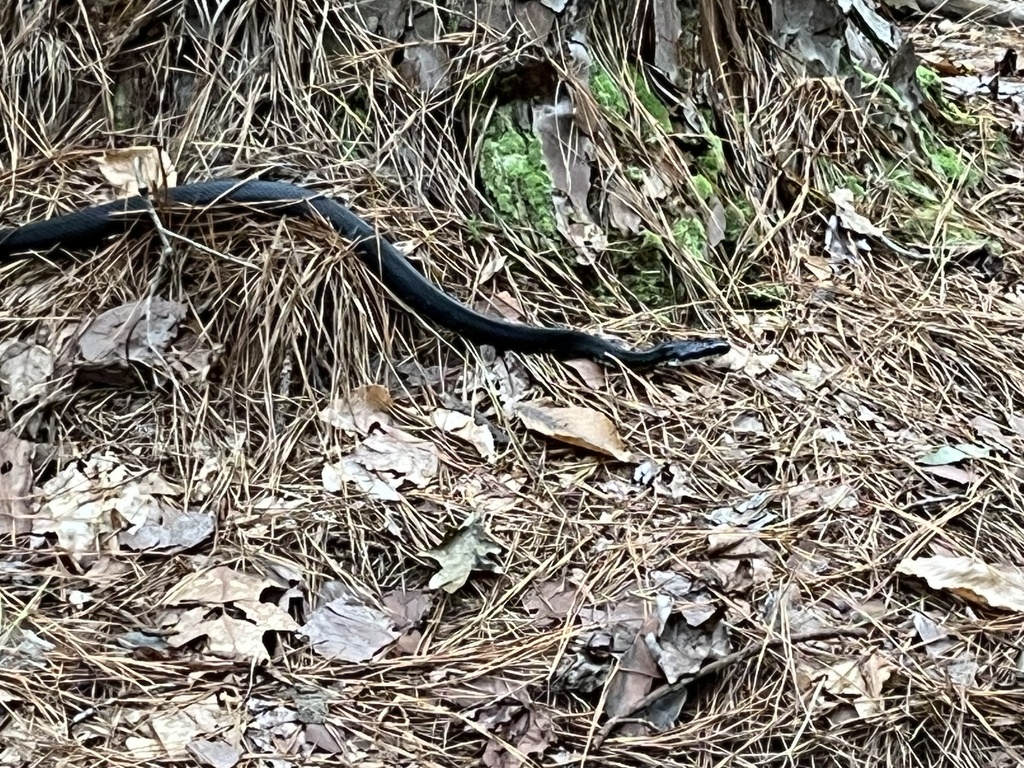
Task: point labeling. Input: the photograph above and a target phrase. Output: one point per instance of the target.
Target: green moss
(901, 178)
(704, 188)
(766, 295)
(954, 230)
(931, 85)
(640, 269)
(514, 175)
(854, 185)
(712, 162)
(652, 240)
(928, 78)
(606, 91)
(634, 173)
(737, 216)
(476, 229)
(649, 101)
(690, 235)
(948, 161)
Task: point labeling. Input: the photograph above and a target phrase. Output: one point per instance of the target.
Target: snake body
(90, 226)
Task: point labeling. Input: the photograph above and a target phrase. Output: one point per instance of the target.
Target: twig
(717, 666)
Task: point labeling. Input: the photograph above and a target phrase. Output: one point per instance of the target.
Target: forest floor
(297, 526)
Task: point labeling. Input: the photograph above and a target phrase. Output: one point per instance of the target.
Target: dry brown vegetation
(818, 538)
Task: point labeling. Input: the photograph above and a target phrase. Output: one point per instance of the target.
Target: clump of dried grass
(918, 350)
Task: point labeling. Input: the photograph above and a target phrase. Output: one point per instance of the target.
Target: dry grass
(897, 356)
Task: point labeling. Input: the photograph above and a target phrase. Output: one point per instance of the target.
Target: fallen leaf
(118, 166)
(848, 216)
(348, 470)
(25, 371)
(590, 373)
(217, 586)
(16, 478)
(951, 454)
(506, 305)
(565, 151)
(424, 66)
(345, 631)
(407, 608)
(489, 270)
(74, 507)
(216, 754)
(986, 427)
(526, 728)
(169, 529)
(860, 680)
(551, 599)
(363, 409)
(954, 474)
(936, 639)
(465, 427)
(582, 427)
(399, 456)
(226, 637)
(737, 545)
(681, 649)
(667, 27)
(468, 550)
(633, 679)
(174, 725)
(267, 616)
(748, 423)
(818, 266)
(139, 331)
(383, 462)
(973, 580)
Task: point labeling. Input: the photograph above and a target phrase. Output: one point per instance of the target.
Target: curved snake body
(90, 226)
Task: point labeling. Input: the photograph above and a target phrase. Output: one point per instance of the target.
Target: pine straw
(298, 322)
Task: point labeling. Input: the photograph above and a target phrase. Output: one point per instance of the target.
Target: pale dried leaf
(582, 427)
(348, 470)
(973, 580)
(345, 631)
(77, 511)
(362, 410)
(592, 374)
(861, 681)
(748, 423)
(398, 457)
(139, 331)
(167, 528)
(155, 168)
(851, 220)
(469, 550)
(25, 371)
(215, 754)
(407, 608)
(16, 479)
(465, 427)
(219, 585)
(226, 637)
(267, 616)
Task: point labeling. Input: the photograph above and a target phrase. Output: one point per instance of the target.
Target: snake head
(691, 350)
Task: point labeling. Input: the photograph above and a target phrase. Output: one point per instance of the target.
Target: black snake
(90, 226)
